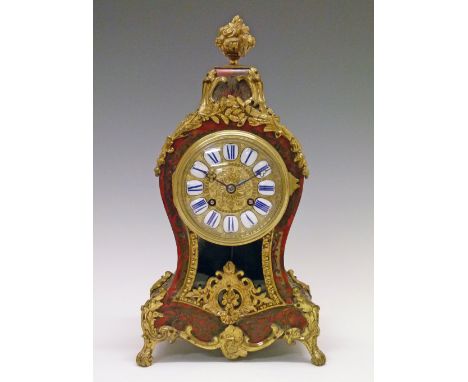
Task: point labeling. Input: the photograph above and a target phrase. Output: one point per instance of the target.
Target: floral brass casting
(232, 341)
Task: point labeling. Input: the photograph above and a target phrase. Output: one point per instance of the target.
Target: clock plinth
(231, 178)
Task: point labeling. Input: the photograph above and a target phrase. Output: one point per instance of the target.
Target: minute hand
(245, 181)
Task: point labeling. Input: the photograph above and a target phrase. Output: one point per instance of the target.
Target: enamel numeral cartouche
(231, 178)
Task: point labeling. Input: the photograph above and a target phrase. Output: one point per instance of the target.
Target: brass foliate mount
(234, 40)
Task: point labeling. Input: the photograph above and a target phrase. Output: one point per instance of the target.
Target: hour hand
(212, 177)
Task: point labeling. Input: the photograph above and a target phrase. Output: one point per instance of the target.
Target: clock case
(227, 309)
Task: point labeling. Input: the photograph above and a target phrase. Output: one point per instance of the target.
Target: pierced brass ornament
(207, 298)
(232, 109)
(232, 341)
(229, 295)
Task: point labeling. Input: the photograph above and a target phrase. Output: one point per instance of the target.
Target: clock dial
(230, 187)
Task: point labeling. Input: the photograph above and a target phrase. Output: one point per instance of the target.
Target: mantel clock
(231, 178)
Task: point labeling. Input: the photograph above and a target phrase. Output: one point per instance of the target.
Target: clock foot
(145, 356)
(317, 356)
(149, 312)
(310, 312)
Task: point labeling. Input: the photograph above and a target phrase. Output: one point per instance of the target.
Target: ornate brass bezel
(195, 224)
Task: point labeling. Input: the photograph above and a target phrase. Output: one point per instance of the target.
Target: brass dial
(231, 187)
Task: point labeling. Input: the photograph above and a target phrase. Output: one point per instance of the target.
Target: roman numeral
(197, 187)
(248, 219)
(212, 219)
(230, 224)
(261, 169)
(230, 151)
(199, 205)
(212, 156)
(266, 187)
(248, 156)
(262, 206)
(199, 170)
(194, 187)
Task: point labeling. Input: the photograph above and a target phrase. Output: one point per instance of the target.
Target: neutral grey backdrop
(316, 60)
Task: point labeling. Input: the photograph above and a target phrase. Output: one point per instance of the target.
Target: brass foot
(145, 356)
(149, 312)
(312, 331)
(317, 357)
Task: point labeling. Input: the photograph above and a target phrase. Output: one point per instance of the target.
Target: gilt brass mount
(228, 294)
(232, 341)
(234, 40)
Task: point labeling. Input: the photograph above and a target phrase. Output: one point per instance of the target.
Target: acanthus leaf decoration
(229, 295)
(234, 110)
(232, 341)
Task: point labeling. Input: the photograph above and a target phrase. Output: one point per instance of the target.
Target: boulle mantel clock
(231, 178)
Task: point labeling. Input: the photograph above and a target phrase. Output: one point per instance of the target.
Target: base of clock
(163, 319)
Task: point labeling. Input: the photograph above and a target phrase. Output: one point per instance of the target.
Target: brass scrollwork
(232, 109)
(239, 295)
(310, 311)
(229, 295)
(232, 341)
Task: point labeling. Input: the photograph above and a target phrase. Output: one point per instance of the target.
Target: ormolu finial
(235, 40)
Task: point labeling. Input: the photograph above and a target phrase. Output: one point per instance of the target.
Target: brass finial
(235, 40)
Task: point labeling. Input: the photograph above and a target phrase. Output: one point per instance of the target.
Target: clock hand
(224, 184)
(212, 176)
(246, 180)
